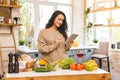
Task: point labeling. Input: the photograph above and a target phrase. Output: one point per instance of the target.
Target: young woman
(51, 40)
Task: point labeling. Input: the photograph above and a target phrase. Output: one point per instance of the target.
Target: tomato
(73, 66)
(83, 66)
(78, 66)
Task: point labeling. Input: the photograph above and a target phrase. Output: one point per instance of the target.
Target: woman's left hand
(68, 46)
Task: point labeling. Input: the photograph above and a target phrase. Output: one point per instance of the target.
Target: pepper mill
(0, 76)
(10, 64)
(16, 63)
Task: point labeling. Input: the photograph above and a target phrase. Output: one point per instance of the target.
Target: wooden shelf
(8, 25)
(5, 33)
(103, 1)
(10, 6)
(114, 25)
(111, 25)
(106, 9)
(4, 61)
(7, 46)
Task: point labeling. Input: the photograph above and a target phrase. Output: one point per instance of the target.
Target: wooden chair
(102, 53)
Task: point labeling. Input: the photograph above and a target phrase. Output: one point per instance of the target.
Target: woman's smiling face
(58, 20)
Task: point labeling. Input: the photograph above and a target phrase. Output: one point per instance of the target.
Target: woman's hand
(68, 46)
(58, 41)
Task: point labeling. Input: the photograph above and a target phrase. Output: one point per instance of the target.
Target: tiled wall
(114, 57)
(115, 64)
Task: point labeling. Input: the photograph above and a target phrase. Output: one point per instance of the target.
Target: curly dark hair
(63, 28)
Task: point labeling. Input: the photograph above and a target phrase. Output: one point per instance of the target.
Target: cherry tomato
(83, 66)
(78, 66)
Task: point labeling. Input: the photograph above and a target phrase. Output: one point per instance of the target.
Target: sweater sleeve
(43, 47)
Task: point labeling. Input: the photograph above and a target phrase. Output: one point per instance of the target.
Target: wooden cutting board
(25, 70)
(6, 14)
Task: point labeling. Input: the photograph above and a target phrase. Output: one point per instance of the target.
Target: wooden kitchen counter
(60, 75)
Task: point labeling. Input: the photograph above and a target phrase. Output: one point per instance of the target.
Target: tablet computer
(71, 38)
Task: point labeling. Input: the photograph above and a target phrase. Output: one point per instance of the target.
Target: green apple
(89, 66)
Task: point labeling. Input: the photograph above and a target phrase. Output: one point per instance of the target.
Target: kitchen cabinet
(6, 12)
(33, 53)
(81, 54)
(60, 75)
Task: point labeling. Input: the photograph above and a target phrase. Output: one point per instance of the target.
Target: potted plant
(95, 41)
(21, 42)
(88, 23)
(87, 12)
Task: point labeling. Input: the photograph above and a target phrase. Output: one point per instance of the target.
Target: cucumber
(41, 69)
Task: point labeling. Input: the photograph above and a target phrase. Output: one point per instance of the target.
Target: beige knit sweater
(47, 47)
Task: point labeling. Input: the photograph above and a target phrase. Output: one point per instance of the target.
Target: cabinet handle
(89, 51)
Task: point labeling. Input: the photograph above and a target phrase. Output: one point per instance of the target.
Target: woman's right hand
(58, 41)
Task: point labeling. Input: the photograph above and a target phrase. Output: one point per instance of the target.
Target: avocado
(67, 66)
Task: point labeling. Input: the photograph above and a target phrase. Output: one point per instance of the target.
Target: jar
(10, 21)
(4, 1)
(12, 2)
(30, 45)
(1, 1)
(1, 20)
(16, 2)
(112, 46)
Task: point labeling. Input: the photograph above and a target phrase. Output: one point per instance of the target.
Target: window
(27, 15)
(39, 12)
(102, 34)
(43, 15)
(67, 11)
